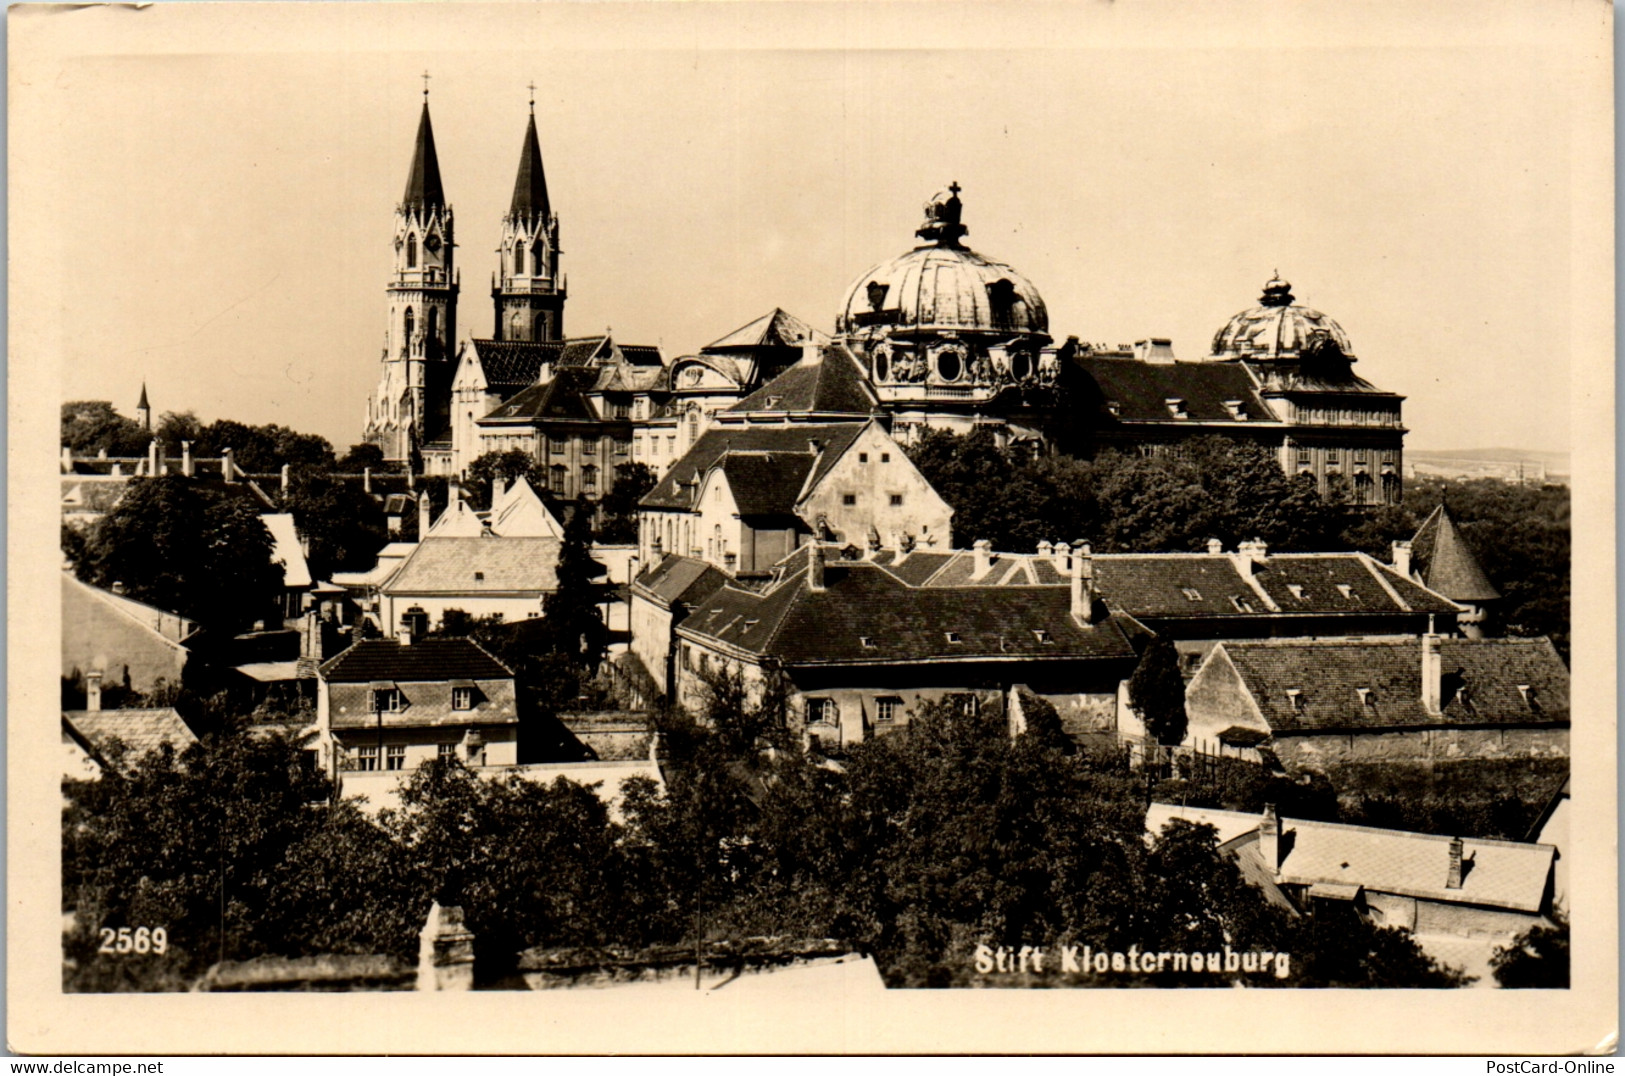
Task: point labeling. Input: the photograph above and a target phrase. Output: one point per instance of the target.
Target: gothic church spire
(530, 186)
(423, 181)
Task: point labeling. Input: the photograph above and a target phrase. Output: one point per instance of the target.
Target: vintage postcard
(831, 527)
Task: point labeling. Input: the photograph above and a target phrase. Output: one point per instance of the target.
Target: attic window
(773, 401)
(1191, 594)
(867, 641)
(1529, 698)
(1236, 409)
(951, 636)
(479, 577)
(885, 457)
(863, 457)
(1294, 699)
(849, 498)
(1176, 407)
(1366, 698)
(1241, 603)
(1345, 590)
(1296, 589)
(1042, 636)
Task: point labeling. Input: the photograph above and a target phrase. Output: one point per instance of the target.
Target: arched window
(1363, 487)
(693, 426)
(518, 258)
(406, 340)
(411, 252)
(538, 256)
(434, 324)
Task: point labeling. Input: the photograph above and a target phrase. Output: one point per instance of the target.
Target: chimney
(118, 471)
(1252, 553)
(424, 520)
(1045, 549)
(1059, 555)
(1452, 880)
(982, 554)
(186, 458)
(815, 568)
(93, 689)
(228, 465)
(1269, 839)
(152, 458)
(1214, 547)
(366, 479)
(1402, 558)
(283, 478)
(1432, 670)
(873, 545)
(1083, 584)
(656, 549)
(454, 493)
(67, 460)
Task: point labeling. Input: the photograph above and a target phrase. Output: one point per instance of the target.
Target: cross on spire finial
(425, 85)
(533, 97)
(954, 187)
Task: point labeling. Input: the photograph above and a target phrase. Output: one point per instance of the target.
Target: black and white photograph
(812, 528)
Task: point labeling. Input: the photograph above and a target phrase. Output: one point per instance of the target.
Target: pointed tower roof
(1444, 562)
(423, 181)
(143, 406)
(773, 329)
(530, 186)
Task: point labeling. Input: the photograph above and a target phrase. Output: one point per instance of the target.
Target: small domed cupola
(1276, 293)
(1280, 329)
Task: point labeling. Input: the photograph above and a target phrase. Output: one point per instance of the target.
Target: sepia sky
(209, 193)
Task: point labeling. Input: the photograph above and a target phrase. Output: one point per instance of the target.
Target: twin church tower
(410, 411)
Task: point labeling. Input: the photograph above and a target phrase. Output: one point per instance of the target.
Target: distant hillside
(1497, 462)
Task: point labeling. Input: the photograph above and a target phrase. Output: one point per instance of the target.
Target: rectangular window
(395, 757)
(896, 500)
(863, 457)
(386, 701)
(447, 752)
(968, 705)
(823, 712)
(366, 758)
(623, 448)
(621, 410)
(462, 698)
(885, 457)
(849, 498)
(558, 445)
(888, 708)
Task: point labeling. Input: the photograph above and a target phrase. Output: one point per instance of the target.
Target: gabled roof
(171, 628)
(476, 566)
(140, 731)
(1140, 391)
(519, 513)
(511, 365)
(1482, 682)
(530, 185)
(773, 329)
(560, 397)
(1444, 561)
(827, 381)
(427, 660)
(423, 181)
(765, 483)
(832, 438)
(679, 579)
(864, 615)
(457, 521)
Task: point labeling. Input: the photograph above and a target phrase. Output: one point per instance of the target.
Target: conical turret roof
(143, 404)
(423, 181)
(1443, 561)
(530, 186)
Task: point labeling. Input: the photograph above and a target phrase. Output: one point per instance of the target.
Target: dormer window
(951, 636)
(1237, 410)
(866, 641)
(1294, 700)
(1241, 603)
(876, 294)
(1345, 590)
(1296, 589)
(1114, 408)
(1176, 407)
(1530, 698)
(1366, 698)
(1043, 636)
(1191, 594)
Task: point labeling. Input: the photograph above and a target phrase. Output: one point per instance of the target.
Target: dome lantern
(942, 218)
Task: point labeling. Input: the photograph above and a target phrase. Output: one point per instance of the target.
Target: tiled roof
(1186, 585)
(1499, 874)
(767, 483)
(829, 383)
(424, 660)
(560, 397)
(511, 365)
(680, 579)
(140, 731)
(1141, 390)
(92, 493)
(505, 565)
(833, 438)
(1441, 557)
(773, 329)
(865, 615)
(641, 355)
(1481, 679)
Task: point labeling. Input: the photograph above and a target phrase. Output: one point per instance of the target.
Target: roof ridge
(1371, 566)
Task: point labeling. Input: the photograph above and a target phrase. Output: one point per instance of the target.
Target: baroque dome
(943, 287)
(1278, 328)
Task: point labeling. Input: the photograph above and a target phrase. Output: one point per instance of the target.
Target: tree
(570, 611)
(175, 427)
(263, 449)
(93, 426)
(620, 505)
(180, 548)
(360, 458)
(342, 524)
(1156, 690)
(1538, 958)
(483, 472)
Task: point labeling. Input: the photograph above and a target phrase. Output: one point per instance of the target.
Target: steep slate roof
(1444, 561)
(511, 365)
(773, 329)
(423, 181)
(800, 626)
(140, 731)
(1328, 673)
(680, 579)
(1186, 585)
(834, 438)
(560, 397)
(448, 565)
(1141, 390)
(765, 483)
(425, 660)
(530, 185)
(829, 383)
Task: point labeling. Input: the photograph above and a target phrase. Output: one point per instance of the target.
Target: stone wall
(612, 736)
(1315, 753)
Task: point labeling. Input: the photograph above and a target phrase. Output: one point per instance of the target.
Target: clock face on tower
(433, 243)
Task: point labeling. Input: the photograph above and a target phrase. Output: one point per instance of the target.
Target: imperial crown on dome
(942, 287)
(1278, 328)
